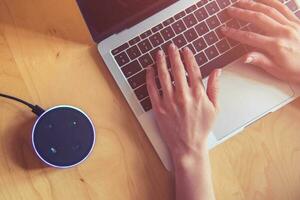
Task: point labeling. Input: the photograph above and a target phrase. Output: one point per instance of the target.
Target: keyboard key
(211, 38)
(181, 53)
(146, 104)
(138, 79)
(153, 53)
(179, 27)
(190, 35)
(170, 67)
(219, 33)
(131, 68)
(201, 14)
(135, 40)
(141, 92)
(146, 60)
(179, 15)
(168, 21)
(192, 48)
(190, 20)
(202, 3)
(201, 59)
(165, 47)
(201, 28)
(191, 9)
(180, 41)
(223, 3)
(146, 34)
(120, 49)
(145, 46)
(158, 85)
(199, 44)
(233, 24)
(133, 52)
(155, 70)
(223, 16)
(156, 39)
(157, 28)
(167, 33)
(211, 52)
(213, 22)
(223, 46)
(212, 8)
(122, 59)
(223, 60)
(292, 5)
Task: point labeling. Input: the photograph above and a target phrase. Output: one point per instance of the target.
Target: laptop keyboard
(197, 27)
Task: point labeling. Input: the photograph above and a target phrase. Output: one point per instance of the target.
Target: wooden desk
(47, 57)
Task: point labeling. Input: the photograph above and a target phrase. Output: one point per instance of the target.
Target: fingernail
(249, 60)
(149, 67)
(172, 46)
(224, 28)
(186, 49)
(160, 53)
(219, 72)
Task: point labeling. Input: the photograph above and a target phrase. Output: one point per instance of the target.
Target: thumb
(213, 87)
(264, 62)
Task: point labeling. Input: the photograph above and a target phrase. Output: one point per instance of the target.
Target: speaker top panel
(63, 136)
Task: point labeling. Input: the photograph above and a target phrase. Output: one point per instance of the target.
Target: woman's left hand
(278, 43)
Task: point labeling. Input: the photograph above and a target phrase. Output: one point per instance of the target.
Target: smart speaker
(63, 136)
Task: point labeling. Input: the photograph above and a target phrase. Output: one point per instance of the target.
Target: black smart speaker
(63, 136)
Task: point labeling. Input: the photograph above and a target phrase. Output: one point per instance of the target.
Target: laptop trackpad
(246, 94)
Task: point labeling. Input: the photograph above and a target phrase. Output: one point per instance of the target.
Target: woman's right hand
(279, 45)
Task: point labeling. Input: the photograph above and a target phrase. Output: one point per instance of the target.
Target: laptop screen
(105, 17)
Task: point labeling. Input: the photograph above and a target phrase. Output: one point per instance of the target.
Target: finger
(178, 70)
(152, 88)
(260, 20)
(164, 75)
(213, 87)
(195, 77)
(252, 39)
(281, 8)
(265, 63)
(267, 10)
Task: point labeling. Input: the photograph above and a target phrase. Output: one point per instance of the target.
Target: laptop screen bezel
(125, 24)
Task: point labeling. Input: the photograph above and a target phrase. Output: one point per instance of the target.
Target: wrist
(190, 158)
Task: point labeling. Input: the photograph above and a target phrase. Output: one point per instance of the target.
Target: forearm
(193, 177)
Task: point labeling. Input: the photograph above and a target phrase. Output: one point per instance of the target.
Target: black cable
(34, 108)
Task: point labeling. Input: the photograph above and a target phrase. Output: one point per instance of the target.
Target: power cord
(34, 108)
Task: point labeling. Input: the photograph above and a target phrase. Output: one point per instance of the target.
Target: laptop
(130, 32)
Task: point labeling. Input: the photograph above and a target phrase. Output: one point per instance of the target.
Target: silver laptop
(130, 32)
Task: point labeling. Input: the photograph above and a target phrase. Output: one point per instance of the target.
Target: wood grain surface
(48, 57)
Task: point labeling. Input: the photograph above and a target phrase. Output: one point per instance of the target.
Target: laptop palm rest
(246, 94)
